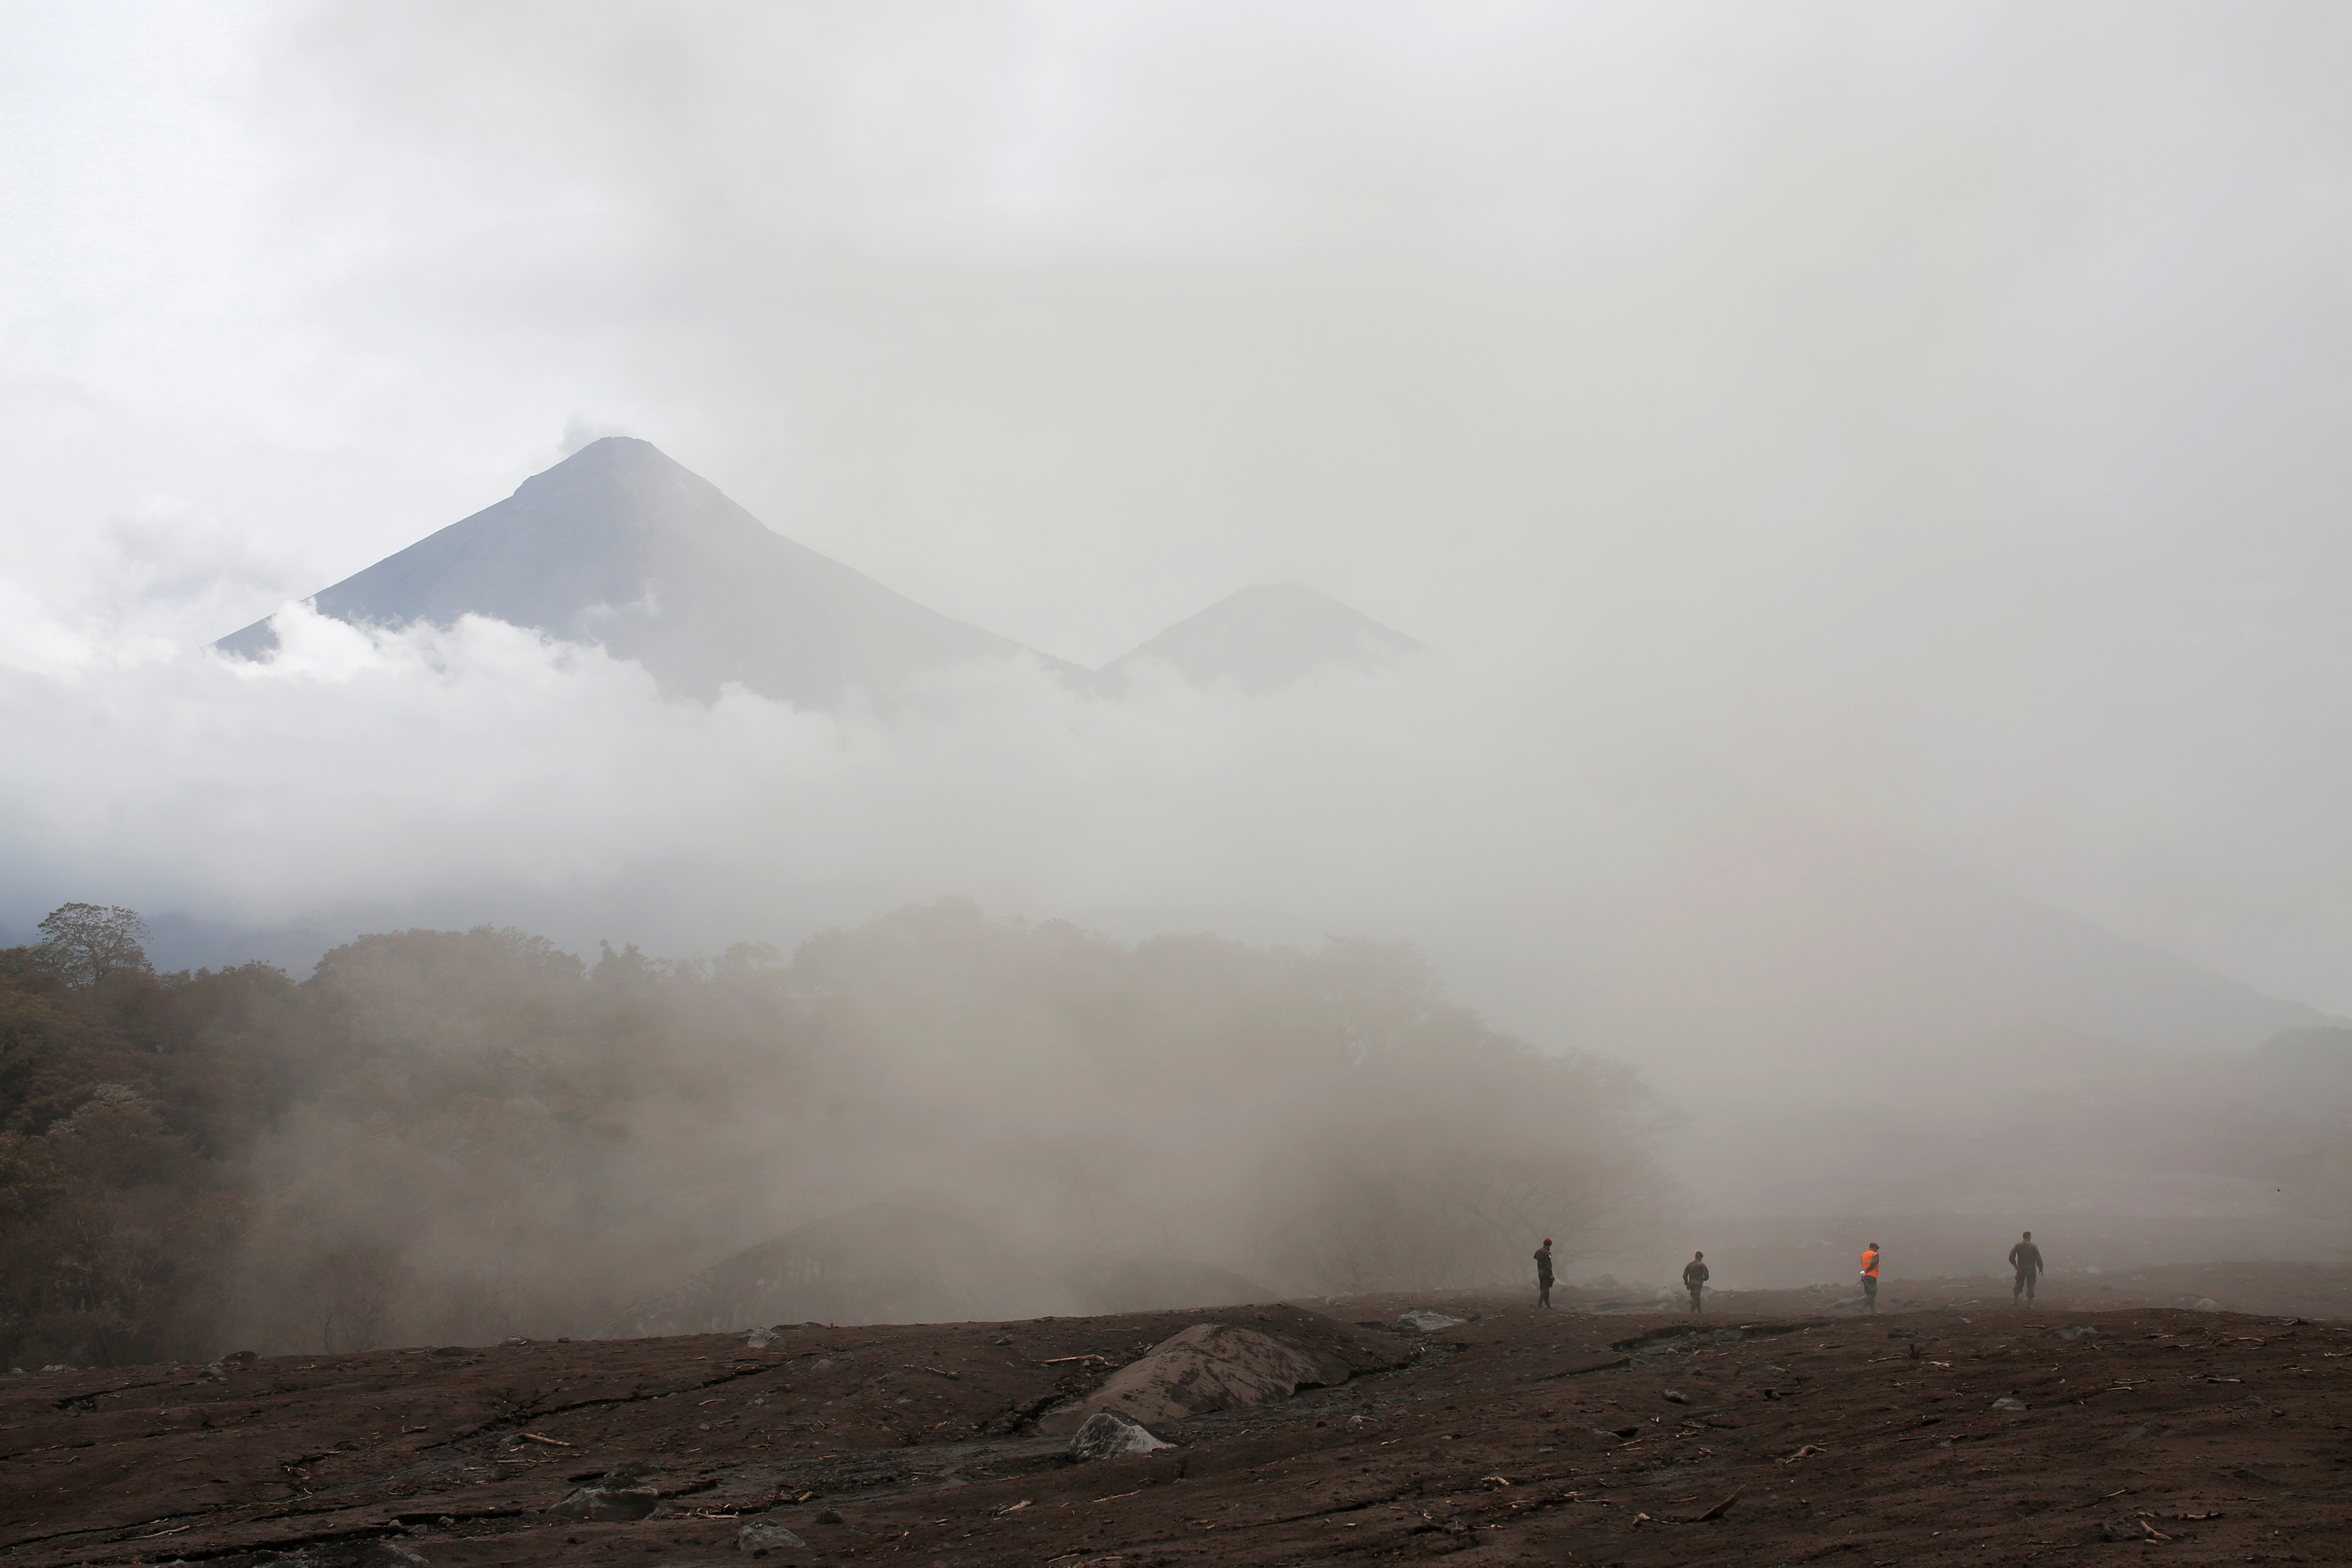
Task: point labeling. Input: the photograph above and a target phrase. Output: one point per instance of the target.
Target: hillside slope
(620, 546)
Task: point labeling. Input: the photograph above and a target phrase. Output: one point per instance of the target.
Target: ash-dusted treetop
(88, 944)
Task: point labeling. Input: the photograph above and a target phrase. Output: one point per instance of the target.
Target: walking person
(1695, 1281)
(1870, 1278)
(2026, 1259)
(1543, 1273)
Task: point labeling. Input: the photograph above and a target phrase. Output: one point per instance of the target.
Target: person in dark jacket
(1543, 1273)
(2026, 1259)
(1695, 1281)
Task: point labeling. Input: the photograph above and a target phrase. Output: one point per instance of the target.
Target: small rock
(1109, 1435)
(2009, 1402)
(759, 1339)
(2208, 1304)
(2078, 1331)
(768, 1535)
(1422, 1320)
(827, 1516)
(1673, 1397)
(389, 1554)
(619, 1497)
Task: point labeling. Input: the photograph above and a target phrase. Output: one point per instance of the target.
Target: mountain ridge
(1265, 636)
(621, 545)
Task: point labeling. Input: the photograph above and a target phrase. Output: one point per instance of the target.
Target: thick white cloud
(482, 765)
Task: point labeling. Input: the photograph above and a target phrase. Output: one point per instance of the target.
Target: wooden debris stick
(552, 1442)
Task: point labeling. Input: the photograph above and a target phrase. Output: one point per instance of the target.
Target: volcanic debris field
(1949, 1428)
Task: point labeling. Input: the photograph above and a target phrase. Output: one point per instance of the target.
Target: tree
(86, 944)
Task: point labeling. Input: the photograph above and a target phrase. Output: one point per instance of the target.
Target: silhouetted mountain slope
(619, 545)
(1265, 637)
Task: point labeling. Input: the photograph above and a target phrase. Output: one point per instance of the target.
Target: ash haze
(1867, 484)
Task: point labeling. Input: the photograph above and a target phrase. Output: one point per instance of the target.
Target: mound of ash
(1225, 1366)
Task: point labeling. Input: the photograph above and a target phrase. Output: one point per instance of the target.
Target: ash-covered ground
(1778, 1428)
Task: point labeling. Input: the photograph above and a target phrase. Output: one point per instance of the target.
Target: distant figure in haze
(2026, 1259)
(1870, 1278)
(1694, 1279)
(1543, 1273)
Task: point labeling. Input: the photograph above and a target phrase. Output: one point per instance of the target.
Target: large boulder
(1209, 1367)
(620, 1497)
(768, 1537)
(1421, 1320)
(1108, 1434)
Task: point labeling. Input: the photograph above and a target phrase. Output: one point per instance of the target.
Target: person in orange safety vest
(1870, 1278)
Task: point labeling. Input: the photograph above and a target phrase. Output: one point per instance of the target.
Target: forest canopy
(451, 1136)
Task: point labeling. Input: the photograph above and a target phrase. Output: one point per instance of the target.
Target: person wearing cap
(1543, 1273)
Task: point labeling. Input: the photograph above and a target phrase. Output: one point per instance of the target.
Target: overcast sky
(1937, 413)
